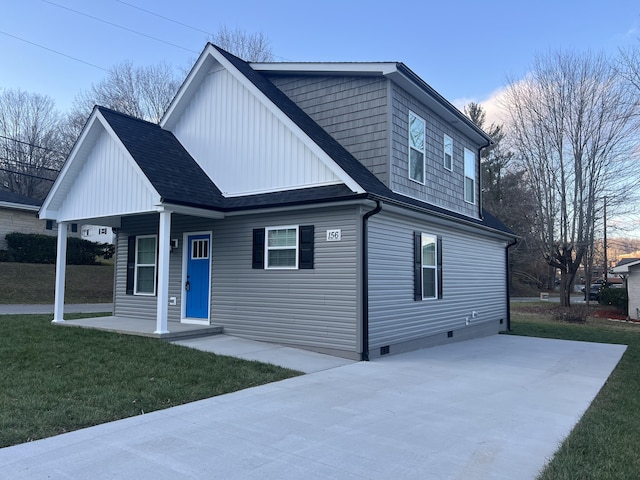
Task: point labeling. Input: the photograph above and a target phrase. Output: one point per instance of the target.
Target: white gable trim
(73, 167)
(207, 60)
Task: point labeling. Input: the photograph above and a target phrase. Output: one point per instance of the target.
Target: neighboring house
(20, 214)
(629, 269)
(331, 206)
(97, 233)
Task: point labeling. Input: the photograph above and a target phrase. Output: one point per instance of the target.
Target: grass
(55, 379)
(34, 283)
(604, 444)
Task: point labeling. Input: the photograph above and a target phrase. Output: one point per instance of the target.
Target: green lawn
(604, 444)
(55, 379)
(34, 283)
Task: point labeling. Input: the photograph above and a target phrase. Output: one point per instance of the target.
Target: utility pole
(606, 263)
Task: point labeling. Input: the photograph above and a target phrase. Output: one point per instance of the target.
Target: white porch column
(164, 247)
(61, 266)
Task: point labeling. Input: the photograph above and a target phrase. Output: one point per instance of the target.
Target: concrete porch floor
(144, 328)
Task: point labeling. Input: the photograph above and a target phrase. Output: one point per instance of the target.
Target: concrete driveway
(491, 408)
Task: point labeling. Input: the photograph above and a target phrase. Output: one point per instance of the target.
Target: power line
(25, 164)
(196, 29)
(53, 51)
(97, 19)
(26, 175)
(32, 145)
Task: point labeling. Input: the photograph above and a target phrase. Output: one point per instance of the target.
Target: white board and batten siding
(474, 280)
(109, 183)
(242, 145)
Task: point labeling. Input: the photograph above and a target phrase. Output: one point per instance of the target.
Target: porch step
(186, 334)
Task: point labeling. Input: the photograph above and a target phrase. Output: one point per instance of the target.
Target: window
(416, 148)
(428, 266)
(199, 249)
(145, 265)
(448, 152)
(282, 247)
(469, 176)
(288, 247)
(102, 231)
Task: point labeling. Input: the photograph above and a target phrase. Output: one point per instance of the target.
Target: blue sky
(463, 49)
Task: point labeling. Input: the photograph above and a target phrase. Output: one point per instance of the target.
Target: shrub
(38, 248)
(614, 296)
(575, 314)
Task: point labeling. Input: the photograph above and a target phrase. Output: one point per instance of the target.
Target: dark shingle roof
(11, 197)
(180, 180)
(172, 171)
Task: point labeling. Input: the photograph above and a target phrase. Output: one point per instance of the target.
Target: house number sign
(334, 235)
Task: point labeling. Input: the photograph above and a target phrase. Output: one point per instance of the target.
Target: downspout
(480, 177)
(365, 281)
(508, 275)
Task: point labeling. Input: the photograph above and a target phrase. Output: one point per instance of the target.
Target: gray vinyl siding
(316, 309)
(474, 279)
(442, 187)
(354, 110)
(311, 308)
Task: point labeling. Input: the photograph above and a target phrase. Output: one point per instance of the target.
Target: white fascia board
(340, 68)
(625, 268)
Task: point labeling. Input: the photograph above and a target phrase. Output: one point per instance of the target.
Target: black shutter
(258, 248)
(417, 266)
(49, 225)
(74, 227)
(439, 266)
(305, 245)
(131, 263)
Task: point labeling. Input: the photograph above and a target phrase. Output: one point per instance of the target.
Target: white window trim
(423, 151)
(154, 265)
(473, 178)
(267, 249)
(434, 267)
(444, 152)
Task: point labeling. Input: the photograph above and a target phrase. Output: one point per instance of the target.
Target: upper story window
(469, 176)
(447, 147)
(416, 148)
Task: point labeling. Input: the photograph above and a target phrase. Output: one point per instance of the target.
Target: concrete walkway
(492, 408)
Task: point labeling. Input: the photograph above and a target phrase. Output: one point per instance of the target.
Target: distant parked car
(594, 292)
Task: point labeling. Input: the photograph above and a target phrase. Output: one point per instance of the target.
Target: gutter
(508, 289)
(365, 281)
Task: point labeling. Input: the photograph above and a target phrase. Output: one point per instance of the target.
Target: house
(19, 213)
(329, 206)
(629, 270)
(98, 234)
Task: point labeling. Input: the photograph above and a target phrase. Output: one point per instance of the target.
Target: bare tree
(31, 147)
(572, 125)
(251, 47)
(142, 92)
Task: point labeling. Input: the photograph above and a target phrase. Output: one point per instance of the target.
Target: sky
(466, 50)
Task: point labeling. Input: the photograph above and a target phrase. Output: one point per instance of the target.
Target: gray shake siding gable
(442, 187)
(354, 110)
(316, 308)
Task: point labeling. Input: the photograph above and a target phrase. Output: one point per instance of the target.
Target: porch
(143, 328)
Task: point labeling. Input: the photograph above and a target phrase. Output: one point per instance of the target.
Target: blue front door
(198, 276)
